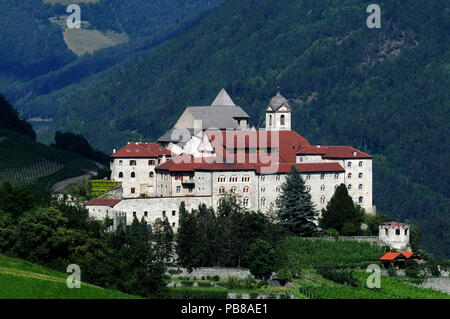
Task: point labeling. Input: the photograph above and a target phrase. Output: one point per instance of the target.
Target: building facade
(212, 151)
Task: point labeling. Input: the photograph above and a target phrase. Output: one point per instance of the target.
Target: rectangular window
(397, 231)
(164, 213)
(133, 190)
(173, 213)
(178, 189)
(132, 162)
(386, 232)
(145, 214)
(134, 214)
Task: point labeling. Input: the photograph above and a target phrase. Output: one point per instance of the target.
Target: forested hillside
(38, 71)
(384, 91)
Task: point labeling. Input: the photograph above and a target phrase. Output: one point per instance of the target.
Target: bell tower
(278, 113)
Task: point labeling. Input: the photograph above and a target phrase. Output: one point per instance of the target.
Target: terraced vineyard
(100, 186)
(27, 162)
(315, 287)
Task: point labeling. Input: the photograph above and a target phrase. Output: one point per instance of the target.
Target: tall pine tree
(296, 211)
(163, 239)
(342, 214)
(187, 238)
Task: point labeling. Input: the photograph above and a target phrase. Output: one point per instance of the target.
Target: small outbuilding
(397, 260)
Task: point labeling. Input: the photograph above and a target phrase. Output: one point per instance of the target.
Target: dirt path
(60, 185)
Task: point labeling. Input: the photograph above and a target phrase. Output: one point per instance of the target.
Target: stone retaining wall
(223, 273)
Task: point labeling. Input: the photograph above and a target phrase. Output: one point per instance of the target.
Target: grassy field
(64, 2)
(20, 279)
(27, 162)
(81, 41)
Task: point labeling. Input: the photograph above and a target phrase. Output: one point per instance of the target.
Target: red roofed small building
(99, 208)
(397, 259)
(211, 151)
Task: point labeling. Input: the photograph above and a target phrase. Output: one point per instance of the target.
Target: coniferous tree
(296, 211)
(163, 239)
(342, 214)
(186, 238)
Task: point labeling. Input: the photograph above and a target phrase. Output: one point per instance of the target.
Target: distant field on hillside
(27, 162)
(20, 279)
(81, 41)
(68, 1)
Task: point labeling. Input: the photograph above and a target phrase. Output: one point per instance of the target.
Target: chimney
(114, 151)
(354, 153)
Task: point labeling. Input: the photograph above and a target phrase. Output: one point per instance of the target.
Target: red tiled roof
(285, 143)
(311, 167)
(407, 254)
(136, 150)
(335, 152)
(390, 256)
(393, 225)
(111, 202)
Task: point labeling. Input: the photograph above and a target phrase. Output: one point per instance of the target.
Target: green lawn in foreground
(20, 279)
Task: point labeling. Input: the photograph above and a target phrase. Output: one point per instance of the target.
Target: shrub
(260, 259)
(392, 272)
(216, 278)
(284, 275)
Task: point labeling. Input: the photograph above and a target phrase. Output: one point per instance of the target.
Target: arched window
(322, 200)
(270, 120)
(263, 201)
(349, 164)
(360, 164)
(233, 178)
(133, 174)
(360, 175)
(151, 174)
(246, 178)
(246, 190)
(308, 176)
(234, 190)
(349, 186)
(221, 190)
(336, 176)
(120, 175)
(360, 186)
(282, 121)
(278, 177)
(263, 189)
(322, 176)
(322, 188)
(263, 178)
(221, 179)
(245, 201)
(349, 175)
(360, 199)
(278, 190)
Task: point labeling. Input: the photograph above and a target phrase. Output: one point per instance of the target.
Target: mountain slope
(21, 279)
(23, 161)
(384, 90)
(36, 60)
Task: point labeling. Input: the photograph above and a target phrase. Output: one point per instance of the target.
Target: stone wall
(373, 239)
(223, 273)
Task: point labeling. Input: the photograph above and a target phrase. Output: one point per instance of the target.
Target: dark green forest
(384, 91)
(38, 71)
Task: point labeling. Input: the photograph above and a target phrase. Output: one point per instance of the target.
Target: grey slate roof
(278, 101)
(223, 99)
(167, 137)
